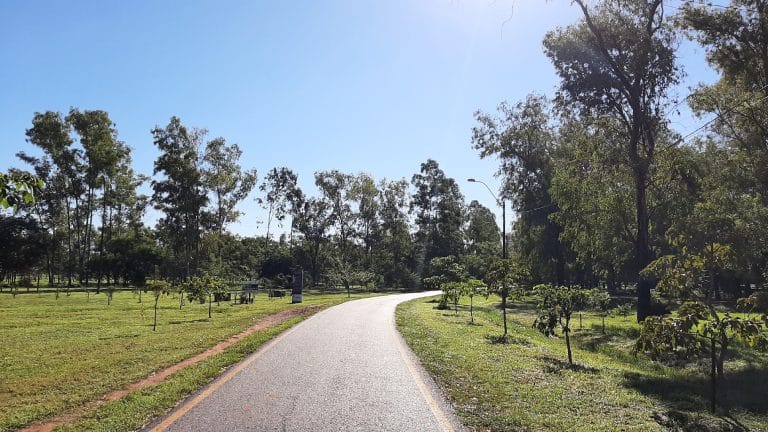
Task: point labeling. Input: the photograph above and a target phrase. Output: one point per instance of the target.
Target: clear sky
(358, 86)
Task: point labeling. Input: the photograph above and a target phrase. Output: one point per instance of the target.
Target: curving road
(344, 369)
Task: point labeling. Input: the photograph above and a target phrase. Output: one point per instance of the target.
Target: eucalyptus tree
(280, 187)
(179, 191)
(618, 61)
(229, 184)
(102, 154)
(482, 227)
(61, 167)
(394, 247)
(313, 219)
(336, 189)
(364, 193)
(524, 137)
(440, 214)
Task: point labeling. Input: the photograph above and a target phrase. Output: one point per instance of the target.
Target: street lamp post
(503, 216)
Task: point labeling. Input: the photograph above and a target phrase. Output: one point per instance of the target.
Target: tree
(619, 61)
(507, 278)
(393, 256)
(365, 193)
(452, 292)
(524, 138)
(180, 193)
(158, 288)
(336, 189)
(439, 208)
(736, 40)
(556, 306)
(223, 176)
(443, 271)
(102, 154)
(601, 301)
(61, 167)
(18, 188)
(22, 247)
(343, 272)
(281, 188)
(698, 330)
(471, 288)
(482, 227)
(312, 219)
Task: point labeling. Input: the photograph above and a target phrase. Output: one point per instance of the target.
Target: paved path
(344, 369)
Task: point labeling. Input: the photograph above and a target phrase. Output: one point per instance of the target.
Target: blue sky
(359, 86)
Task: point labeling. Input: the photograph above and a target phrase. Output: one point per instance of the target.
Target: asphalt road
(344, 369)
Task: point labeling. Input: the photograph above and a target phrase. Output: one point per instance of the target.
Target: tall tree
(393, 254)
(524, 138)
(364, 193)
(180, 193)
(62, 169)
(336, 188)
(280, 186)
(224, 177)
(313, 218)
(619, 61)
(736, 40)
(440, 215)
(102, 154)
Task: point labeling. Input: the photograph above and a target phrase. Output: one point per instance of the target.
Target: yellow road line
(231, 373)
(434, 406)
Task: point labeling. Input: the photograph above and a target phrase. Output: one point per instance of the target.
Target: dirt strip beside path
(158, 377)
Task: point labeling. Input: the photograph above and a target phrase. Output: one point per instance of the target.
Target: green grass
(527, 384)
(140, 407)
(58, 354)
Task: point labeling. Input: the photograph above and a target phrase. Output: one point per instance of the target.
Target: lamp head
(471, 180)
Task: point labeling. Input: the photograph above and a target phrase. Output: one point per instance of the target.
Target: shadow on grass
(555, 366)
(121, 336)
(683, 421)
(742, 389)
(188, 321)
(507, 340)
(616, 331)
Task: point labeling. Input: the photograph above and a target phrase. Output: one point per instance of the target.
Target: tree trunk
(567, 333)
(87, 250)
(101, 237)
(471, 310)
(713, 376)
(644, 256)
(504, 312)
(154, 323)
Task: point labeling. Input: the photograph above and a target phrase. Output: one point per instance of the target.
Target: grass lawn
(58, 354)
(527, 384)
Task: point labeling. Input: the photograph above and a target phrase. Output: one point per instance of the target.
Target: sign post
(297, 287)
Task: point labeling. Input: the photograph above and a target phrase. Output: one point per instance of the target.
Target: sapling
(556, 306)
(158, 288)
(452, 292)
(601, 301)
(698, 330)
(624, 310)
(473, 287)
(507, 278)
